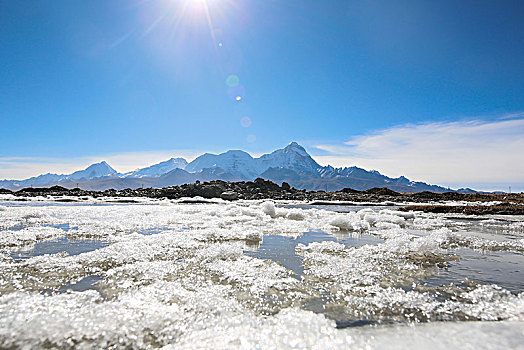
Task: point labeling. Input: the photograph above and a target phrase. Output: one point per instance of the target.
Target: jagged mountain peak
(291, 156)
(403, 180)
(292, 164)
(176, 159)
(159, 169)
(102, 165)
(241, 163)
(93, 171)
(236, 162)
(295, 147)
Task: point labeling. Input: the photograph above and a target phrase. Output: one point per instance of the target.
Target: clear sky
(433, 90)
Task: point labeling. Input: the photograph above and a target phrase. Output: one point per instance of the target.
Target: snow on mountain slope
(291, 164)
(94, 171)
(240, 163)
(293, 156)
(236, 162)
(40, 180)
(361, 179)
(330, 172)
(159, 169)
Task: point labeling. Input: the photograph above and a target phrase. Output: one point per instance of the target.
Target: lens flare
(236, 93)
(185, 19)
(232, 81)
(245, 122)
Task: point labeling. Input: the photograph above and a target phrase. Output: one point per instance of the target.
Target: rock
(349, 190)
(209, 191)
(498, 209)
(265, 189)
(382, 191)
(229, 196)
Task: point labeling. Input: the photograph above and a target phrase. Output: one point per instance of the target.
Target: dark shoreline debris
(497, 209)
(265, 189)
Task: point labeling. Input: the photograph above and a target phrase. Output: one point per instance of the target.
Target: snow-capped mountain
(236, 162)
(159, 169)
(93, 171)
(291, 164)
(293, 156)
(240, 163)
(40, 180)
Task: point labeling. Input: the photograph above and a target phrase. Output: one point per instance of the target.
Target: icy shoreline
(178, 275)
(264, 189)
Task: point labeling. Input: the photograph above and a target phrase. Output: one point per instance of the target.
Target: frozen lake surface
(161, 274)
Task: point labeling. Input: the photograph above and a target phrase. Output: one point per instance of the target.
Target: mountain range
(291, 164)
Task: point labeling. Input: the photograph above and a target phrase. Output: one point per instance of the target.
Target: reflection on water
(501, 268)
(86, 283)
(341, 208)
(64, 244)
(281, 249)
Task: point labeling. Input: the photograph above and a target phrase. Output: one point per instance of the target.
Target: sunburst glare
(186, 18)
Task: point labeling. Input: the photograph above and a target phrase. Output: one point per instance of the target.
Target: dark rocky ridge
(499, 209)
(265, 189)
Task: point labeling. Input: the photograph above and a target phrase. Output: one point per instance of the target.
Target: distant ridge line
(291, 164)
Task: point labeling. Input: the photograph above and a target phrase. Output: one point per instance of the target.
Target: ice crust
(175, 275)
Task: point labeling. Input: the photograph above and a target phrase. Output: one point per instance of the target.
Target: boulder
(210, 191)
(349, 190)
(383, 191)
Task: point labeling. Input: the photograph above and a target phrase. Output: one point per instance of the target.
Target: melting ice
(256, 274)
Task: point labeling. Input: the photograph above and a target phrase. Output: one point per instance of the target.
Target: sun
(204, 3)
(190, 23)
(203, 10)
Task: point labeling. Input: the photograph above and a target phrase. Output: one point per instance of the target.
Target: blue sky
(143, 79)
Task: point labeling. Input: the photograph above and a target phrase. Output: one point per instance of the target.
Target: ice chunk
(349, 222)
(404, 214)
(295, 214)
(188, 284)
(268, 208)
(29, 235)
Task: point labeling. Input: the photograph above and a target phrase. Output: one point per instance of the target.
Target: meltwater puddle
(281, 249)
(156, 230)
(64, 244)
(87, 283)
(341, 208)
(501, 268)
(66, 227)
(70, 247)
(497, 230)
